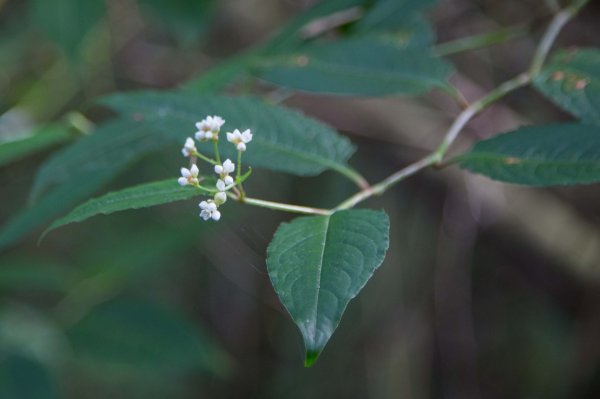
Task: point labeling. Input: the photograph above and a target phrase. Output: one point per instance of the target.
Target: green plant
(318, 262)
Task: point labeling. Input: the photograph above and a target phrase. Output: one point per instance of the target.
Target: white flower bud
(220, 198)
(240, 139)
(189, 176)
(189, 148)
(209, 210)
(228, 166)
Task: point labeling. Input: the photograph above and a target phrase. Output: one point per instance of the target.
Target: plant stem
(216, 149)
(559, 21)
(238, 174)
(548, 39)
(474, 108)
(205, 158)
(306, 210)
(239, 165)
(437, 156)
(479, 41)
(386, 183)
(353, 175)
(80, 122)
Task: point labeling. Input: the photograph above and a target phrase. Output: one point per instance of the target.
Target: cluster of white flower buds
(208, 129)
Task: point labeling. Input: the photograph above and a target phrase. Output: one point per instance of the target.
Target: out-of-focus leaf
(141, 196)
(222, 75)
(394, 23)
(290, 36)
(187, 19)
(24, 378)
(140, 262)
(108, 150)
(317, 264)
(33, 274)
(66, 22)
(539, 155)
(366, 67)
(52, 205)
(143, 335)
(390, 15)
(78, 171)
(283, 140)
(40, 140)
(572, 81)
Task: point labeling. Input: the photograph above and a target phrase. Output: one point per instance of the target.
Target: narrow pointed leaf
(51, 206)
(77, 172)
(390, 15)
(572, 81)
(539, 155)
(363, 67)
(142, 196)
(110, 149)
(317, 264)
(290, 36)
(284, 140)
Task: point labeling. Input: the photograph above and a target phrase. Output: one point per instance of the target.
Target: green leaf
(317, 264)
(222, 75)
(24, 378)
(43, 138)
(284, 140)
(290, 36)
(539, 155)
(66, 22)
(145, 336)
(141, 196)
(52, 205)
(364, 67)
(108, 150)
(35, 274)
(388, 15)
(572, 81)
(76, 172)
(187, 19)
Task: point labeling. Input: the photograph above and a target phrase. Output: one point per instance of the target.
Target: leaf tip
(311, 358)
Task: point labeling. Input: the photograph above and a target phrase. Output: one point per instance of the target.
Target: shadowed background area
(488, 290)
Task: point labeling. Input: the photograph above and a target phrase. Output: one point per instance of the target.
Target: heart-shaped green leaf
(317, 264)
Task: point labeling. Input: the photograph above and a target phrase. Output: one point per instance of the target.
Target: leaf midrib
(327, 220)
(486, 156)
(362, 72)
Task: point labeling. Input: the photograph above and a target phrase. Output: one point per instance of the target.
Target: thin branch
(278, 206)
(479, 41)
(436, 158)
